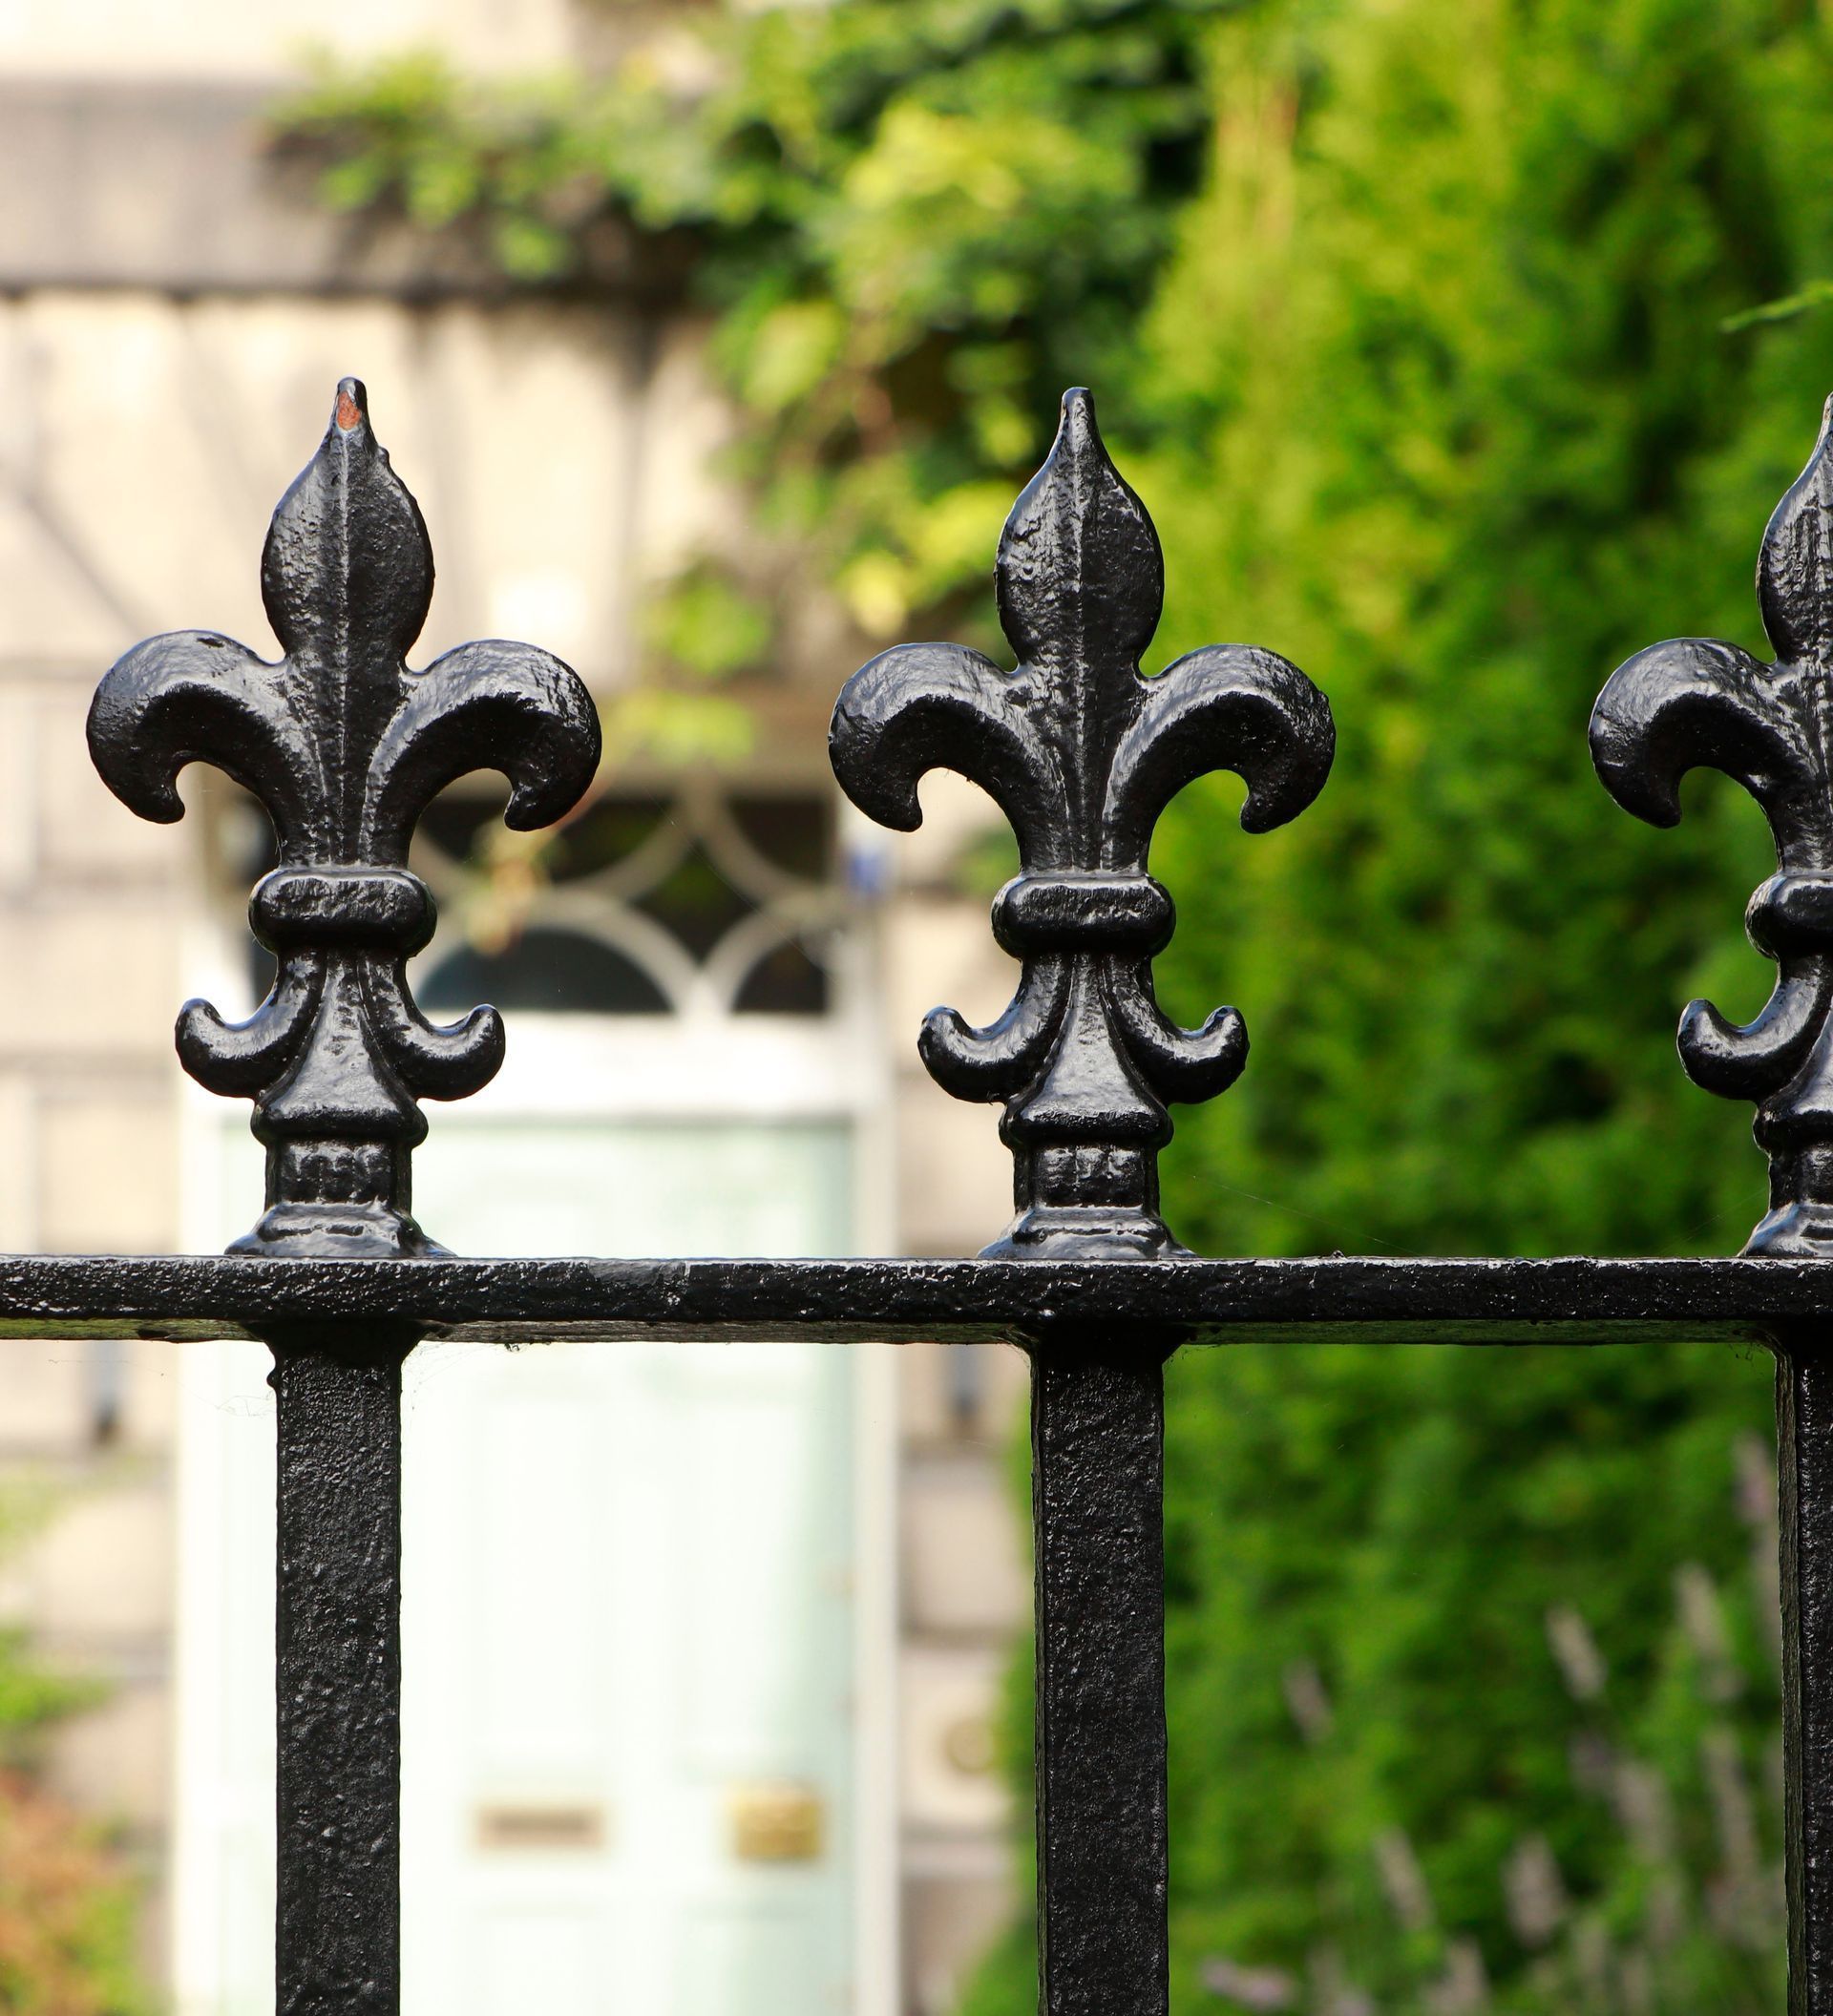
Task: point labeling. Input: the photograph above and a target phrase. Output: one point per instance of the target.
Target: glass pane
(455, 819)
(602, 836)
(562, 971)
(698, 902)
(794, 834)
(785, 981)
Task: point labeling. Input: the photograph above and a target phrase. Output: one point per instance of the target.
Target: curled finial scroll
(1082, 754)
(1693, 702)
(346, 748)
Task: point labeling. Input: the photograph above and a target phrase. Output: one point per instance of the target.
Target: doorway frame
(688, 1067)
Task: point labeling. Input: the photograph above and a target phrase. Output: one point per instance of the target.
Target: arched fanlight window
(700, 898)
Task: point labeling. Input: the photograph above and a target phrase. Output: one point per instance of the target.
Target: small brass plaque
(776, 1821)
(542, 1829)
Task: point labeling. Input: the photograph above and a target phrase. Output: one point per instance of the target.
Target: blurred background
(1458, 347)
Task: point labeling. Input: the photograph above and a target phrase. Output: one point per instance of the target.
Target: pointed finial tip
(1077, 433)
(352, 404)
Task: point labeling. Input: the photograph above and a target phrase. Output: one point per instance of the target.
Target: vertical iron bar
(1805, 1454)
(1097, 1504)
(338, 1673)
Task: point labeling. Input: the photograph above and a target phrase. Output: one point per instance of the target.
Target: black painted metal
(1098, 1514)
(1804, 1440)
(346, 748)
(337, 1670)
(1082, 754)
(1197, 1302)
(1693, 701)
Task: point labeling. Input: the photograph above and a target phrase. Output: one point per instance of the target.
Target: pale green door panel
(654, 1188)
(626, 1573)
(627, 1606)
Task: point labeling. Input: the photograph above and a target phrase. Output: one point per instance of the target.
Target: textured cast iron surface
(1804, 1437)
(856, 1301)
(1097, 1508)
(337, 1653)
(1692, 702)
(1082, 755)
(346, 748)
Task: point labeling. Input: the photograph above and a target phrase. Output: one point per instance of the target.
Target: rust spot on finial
(348, 412)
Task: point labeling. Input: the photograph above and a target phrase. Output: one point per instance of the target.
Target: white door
(648, 1606)
(631, 1661)
(627, 1622)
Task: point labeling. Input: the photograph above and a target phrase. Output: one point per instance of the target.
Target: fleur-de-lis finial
(1693, 702)
(1082, 754)
(346, 748)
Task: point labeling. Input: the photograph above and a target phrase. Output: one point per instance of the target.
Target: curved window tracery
(694, 900)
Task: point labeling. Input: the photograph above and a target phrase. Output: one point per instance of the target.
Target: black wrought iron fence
(345, 746)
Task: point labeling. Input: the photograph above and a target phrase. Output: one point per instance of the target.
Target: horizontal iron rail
(1169, 1303)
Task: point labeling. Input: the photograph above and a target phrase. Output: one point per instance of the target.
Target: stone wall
(172, 323)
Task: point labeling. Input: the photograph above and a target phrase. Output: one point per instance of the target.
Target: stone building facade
(173, 316)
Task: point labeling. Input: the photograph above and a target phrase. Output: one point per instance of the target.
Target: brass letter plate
(775, 1822)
